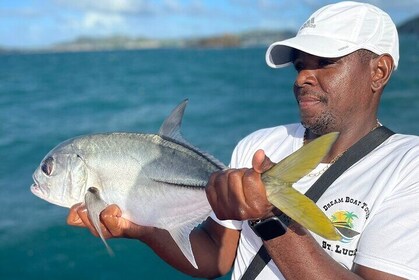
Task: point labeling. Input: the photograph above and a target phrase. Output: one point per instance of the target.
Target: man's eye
(325, 62)
(298, 66)
(47, 166)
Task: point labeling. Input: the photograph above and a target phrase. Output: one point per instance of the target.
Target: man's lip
(308, 100)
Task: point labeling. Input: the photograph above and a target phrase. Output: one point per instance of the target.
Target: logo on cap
(308, 24)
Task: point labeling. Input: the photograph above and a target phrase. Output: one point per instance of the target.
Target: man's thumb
(261, 162)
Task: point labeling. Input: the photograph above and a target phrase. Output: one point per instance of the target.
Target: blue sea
(48, 98)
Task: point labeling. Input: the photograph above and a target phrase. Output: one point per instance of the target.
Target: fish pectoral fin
(181, 236)
(304, 211)
(302, 161)
(95, 205)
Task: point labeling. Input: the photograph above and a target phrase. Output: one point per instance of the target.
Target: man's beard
(321, 125)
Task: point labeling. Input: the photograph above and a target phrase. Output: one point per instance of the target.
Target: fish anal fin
(95, 205)
(181, 236)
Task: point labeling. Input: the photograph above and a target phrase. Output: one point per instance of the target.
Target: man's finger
(73, 217)
(110, 218)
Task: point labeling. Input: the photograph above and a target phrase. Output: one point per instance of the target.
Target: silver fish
(159, 179)
(156, 180)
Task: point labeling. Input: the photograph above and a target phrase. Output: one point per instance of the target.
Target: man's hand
(112, 223)
(239, 194)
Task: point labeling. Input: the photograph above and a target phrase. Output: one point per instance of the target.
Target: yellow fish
(279, 180)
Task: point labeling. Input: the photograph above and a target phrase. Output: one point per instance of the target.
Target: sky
(41, 23)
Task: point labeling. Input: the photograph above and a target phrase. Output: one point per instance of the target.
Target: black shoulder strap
(351, 156)
(360, 149)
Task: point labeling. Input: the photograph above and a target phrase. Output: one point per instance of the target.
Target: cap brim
(279, 54)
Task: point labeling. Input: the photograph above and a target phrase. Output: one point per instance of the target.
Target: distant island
(128, 43)
(245, 39)
(120, 42)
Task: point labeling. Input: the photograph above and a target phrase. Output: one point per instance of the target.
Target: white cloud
(93, 20)
(92, 23)
(108, 6)
(177, 7)
(173, 5)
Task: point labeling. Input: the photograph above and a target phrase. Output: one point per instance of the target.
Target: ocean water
(47, 98)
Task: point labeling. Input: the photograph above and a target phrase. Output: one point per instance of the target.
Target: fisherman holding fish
(344, 55)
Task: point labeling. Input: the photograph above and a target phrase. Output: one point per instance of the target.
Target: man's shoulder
(401, 147)
(277, 142)
(266, 134)
(398, 138)
(402, 144)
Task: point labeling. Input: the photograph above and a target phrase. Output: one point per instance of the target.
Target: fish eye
(47, 166)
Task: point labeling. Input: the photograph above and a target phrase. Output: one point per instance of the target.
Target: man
(344, 56)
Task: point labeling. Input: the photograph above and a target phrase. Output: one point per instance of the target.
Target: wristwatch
(269, 228)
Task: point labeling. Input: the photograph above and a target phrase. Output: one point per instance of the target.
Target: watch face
(269, 228)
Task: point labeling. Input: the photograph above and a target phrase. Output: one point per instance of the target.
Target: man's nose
(305, 77)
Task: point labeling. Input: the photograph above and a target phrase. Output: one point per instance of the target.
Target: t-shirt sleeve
(231, 224)
(390, 242)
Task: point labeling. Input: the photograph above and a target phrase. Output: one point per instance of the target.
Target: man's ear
(382, 67)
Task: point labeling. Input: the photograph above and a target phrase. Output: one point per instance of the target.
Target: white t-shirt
(376, 202)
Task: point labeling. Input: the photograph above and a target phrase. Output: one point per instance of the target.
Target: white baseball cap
(337, 30)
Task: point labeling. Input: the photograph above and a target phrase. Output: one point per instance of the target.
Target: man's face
(332, 93)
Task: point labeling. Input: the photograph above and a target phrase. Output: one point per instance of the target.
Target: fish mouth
(43, 192)
(36, 189)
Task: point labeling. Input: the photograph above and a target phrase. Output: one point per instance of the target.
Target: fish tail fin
(279, 179)
(95, 205)
(303, 161)
(304, 211)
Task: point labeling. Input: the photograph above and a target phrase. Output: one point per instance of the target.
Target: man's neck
(346, 139)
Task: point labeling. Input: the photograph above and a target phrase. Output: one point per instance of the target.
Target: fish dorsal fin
(172, 124)
(171, 129)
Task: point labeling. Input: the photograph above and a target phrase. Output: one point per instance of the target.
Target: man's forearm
(213, 246)
(298, 256)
